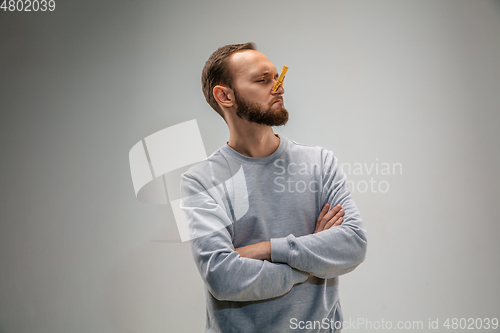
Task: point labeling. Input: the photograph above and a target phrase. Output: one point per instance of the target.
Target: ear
(223, 96)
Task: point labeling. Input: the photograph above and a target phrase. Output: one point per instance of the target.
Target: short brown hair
(217, 72)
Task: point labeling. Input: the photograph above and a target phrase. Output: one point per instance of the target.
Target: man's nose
(279, 91)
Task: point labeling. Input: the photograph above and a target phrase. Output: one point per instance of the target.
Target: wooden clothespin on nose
(280, 79)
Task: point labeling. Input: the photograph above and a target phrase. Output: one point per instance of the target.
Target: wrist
(260, 251)
(263, 251)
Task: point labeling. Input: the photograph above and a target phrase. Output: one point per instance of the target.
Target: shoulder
(209, 172)
(201, 169)
(322, 154)
(325, 159)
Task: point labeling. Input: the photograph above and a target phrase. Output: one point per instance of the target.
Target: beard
(256, 114)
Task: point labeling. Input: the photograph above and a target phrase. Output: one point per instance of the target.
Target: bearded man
(272, 222)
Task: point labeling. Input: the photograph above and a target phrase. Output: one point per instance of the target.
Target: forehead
(250, 63)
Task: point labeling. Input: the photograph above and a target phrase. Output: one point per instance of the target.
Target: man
(267, 245)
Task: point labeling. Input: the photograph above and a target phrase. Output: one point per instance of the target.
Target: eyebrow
(266, 73)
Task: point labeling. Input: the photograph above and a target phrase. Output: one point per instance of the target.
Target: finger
(334, 219)
(330, 214)
(330, 224)
(339, 222)
(328, 217)
(320, 217)
(323, 212)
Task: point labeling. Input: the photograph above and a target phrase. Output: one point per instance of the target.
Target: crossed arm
(234, 273)
(326, 220)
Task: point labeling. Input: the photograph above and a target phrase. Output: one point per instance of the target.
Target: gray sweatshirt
(232, 200)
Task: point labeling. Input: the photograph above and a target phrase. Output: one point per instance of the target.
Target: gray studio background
(408, 82)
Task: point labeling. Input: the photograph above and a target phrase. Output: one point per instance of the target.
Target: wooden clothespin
(280, 79)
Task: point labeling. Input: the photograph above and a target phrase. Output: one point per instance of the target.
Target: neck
(253, 140)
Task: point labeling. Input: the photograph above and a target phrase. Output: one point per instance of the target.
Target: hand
(326, 219)
(260, 251)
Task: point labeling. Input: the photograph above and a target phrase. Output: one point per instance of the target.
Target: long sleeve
(227, 275)
(333, 252)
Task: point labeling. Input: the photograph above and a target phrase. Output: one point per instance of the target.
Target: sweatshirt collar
(258, 160)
